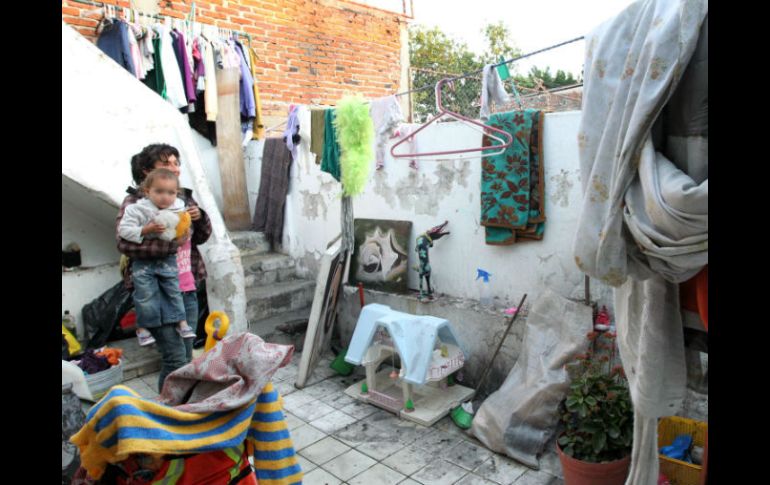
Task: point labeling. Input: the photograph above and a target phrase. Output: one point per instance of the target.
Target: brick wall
(310, 51)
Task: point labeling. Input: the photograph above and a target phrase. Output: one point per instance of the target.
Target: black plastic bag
(103, 314)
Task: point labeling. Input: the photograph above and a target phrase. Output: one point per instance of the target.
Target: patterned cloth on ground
(217, 401)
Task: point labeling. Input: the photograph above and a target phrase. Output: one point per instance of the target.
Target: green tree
(434, 55)
(499, 43)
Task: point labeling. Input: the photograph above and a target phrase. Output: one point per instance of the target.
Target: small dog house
(423, 389)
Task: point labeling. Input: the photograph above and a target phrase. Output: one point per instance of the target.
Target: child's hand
(153, 228)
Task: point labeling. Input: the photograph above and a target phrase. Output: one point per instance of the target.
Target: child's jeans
(157, 298)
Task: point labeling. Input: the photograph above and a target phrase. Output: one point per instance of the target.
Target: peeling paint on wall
(563, 185)
(417, 192)
(313, 205)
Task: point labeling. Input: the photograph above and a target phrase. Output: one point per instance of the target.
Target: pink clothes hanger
(503, 142)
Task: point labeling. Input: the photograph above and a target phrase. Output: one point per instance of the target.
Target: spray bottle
(484, 293)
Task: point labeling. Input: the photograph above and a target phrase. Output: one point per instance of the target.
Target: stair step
(250, 241)
(254, 263)
(267, 328)
(265, 301)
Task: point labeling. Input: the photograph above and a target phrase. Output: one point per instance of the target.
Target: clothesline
(160, 17)
(479, 71)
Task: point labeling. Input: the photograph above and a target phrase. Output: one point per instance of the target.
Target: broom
(459, 415)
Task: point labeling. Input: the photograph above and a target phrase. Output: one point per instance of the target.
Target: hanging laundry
(355, 132)
(147, 50)
(180, 51)
(175, 92)
(136, 55)
(317, 123)
(113, 41)
(155, 79)
(248, 105)
(387, 116)
(259, 123)
(199, 69)
(492, 89)
(291, 133)
(507, 184)
(273, 188)
(330, 162)
(405, 130)
(211, 82)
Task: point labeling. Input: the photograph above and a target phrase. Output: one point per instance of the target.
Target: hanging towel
(259, 122)
(273, 188)
(217, 401)
(331, 156)
(387, 116)
(492, 89)
(512, 185)
(317, 123)
(113, 41)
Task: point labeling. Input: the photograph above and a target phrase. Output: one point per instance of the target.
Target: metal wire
(473, 73)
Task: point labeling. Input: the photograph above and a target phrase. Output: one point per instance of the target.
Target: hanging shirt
(174, 86)
(199, 70)
(113, 41)
(180, 50)
(147, 49)
(210, 96)
(248, 109)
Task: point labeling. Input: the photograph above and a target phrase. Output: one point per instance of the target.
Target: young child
(157, 289)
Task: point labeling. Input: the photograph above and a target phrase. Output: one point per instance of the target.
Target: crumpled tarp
(520, 417)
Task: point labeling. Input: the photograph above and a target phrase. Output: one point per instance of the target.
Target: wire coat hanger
(490, 131)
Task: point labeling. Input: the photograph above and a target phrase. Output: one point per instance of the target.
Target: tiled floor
(343, 441)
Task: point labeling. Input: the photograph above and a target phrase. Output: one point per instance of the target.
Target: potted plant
(597, 416)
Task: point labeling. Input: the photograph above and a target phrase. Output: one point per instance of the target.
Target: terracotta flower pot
(578, 472)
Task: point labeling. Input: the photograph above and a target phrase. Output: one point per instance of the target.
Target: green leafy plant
(597, 414)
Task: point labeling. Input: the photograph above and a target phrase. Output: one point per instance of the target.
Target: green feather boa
(355, 134)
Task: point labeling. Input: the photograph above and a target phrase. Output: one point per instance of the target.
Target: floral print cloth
(512, 183)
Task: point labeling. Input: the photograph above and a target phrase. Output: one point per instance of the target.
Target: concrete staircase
(274, 293)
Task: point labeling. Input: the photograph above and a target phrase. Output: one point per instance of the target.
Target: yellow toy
(176, 223)
(215, 333)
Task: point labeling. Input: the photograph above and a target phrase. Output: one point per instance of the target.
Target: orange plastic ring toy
(215, 333)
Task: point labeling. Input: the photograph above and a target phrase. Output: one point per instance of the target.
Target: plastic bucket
(101, 382)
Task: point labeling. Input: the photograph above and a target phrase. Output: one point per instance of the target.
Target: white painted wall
(449, 190)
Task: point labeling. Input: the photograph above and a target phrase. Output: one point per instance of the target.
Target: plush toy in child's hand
(177, 224)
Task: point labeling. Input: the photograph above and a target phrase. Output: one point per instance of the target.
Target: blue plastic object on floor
(679, 449)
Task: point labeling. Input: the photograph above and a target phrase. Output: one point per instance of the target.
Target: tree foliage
(434, 55)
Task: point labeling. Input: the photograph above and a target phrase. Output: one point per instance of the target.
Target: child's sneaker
(145, 337)
(185, 330)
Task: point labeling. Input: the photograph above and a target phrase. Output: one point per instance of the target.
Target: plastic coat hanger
(504, 139)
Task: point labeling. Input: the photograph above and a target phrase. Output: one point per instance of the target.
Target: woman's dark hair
(158, 174)
(145, 160)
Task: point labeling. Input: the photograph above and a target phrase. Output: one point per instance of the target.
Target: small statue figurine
(424, 243)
